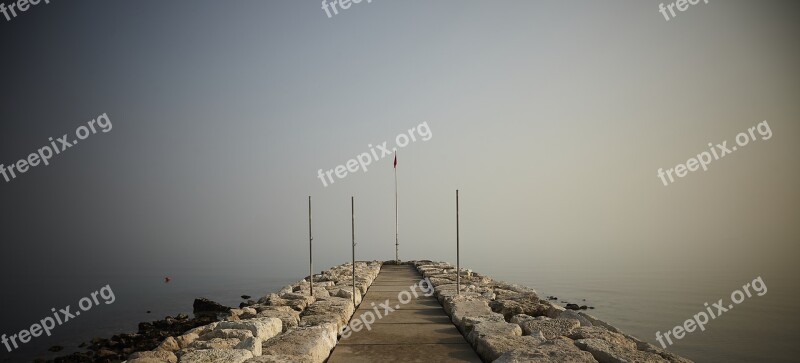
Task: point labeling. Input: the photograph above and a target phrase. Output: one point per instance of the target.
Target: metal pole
(310, 250)
(396, 236)
(353, 222)
(458, 253)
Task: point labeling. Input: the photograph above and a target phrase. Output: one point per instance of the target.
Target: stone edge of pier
(503, 322)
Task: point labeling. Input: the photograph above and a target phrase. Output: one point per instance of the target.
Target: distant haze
(551, 118)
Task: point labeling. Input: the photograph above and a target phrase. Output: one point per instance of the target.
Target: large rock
(262, 328)
(159, 356)
(558, 350)
(597, 332)
(493, 328)
(252, 344)
(169, 344)
(467, 308)
(510, 308)
(311, 344)
(606, 352)
(224, 333)
(203, 306)
(492, 347)
(550, 328)
(185, 340)
(295, 304)
(323, 310)
(470, 321)
(217, 356)
(346, 292)
(215, 343)
(290, 318)
(570, 314)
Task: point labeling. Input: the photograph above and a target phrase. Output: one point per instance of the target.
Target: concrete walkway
(419, 331)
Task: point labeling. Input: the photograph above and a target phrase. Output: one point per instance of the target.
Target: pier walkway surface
(419, 331)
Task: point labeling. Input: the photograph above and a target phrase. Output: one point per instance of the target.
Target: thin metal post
(396, 236)
(458, 252)
(353, 223)
(310, 250)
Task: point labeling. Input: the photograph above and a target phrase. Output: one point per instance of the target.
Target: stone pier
(409, 312)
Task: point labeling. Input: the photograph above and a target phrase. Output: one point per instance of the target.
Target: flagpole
(396, 236)
(458, 252)
(310, 252)
(353, 224)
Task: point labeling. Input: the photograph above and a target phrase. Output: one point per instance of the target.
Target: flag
(395, 161)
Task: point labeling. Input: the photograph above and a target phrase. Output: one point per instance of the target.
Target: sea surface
(638, 301)
(135, 294)
(642, 301)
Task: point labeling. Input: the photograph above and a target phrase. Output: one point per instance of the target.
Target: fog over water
(551, 118)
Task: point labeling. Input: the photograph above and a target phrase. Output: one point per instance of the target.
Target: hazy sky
(551, 117)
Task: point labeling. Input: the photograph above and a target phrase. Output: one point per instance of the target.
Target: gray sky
(552, 118)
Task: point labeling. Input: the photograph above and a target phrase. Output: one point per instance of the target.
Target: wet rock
(203, 306)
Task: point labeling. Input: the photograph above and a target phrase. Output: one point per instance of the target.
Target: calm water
(135, 294)
(640, 302)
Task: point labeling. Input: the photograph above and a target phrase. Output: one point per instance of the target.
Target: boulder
(606, 352)
(217, 356)
(571, 314)
(203, 306)
(185, 340)
(313, 344)
(169, 344)
(471, 321)
(461, 309)
(597, 332)
(550, 328)
(262, 328)
(493, 328)
(215, 343)
(489, 348)
(558, 350)
(290, 319)
(338, 308)
(252, 344)
(240, 334)
(161, 356)
(510, 308)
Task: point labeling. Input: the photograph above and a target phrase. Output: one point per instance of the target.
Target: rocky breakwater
(288, 326)
(510, 323)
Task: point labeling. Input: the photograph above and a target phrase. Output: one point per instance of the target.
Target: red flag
(395, 161)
